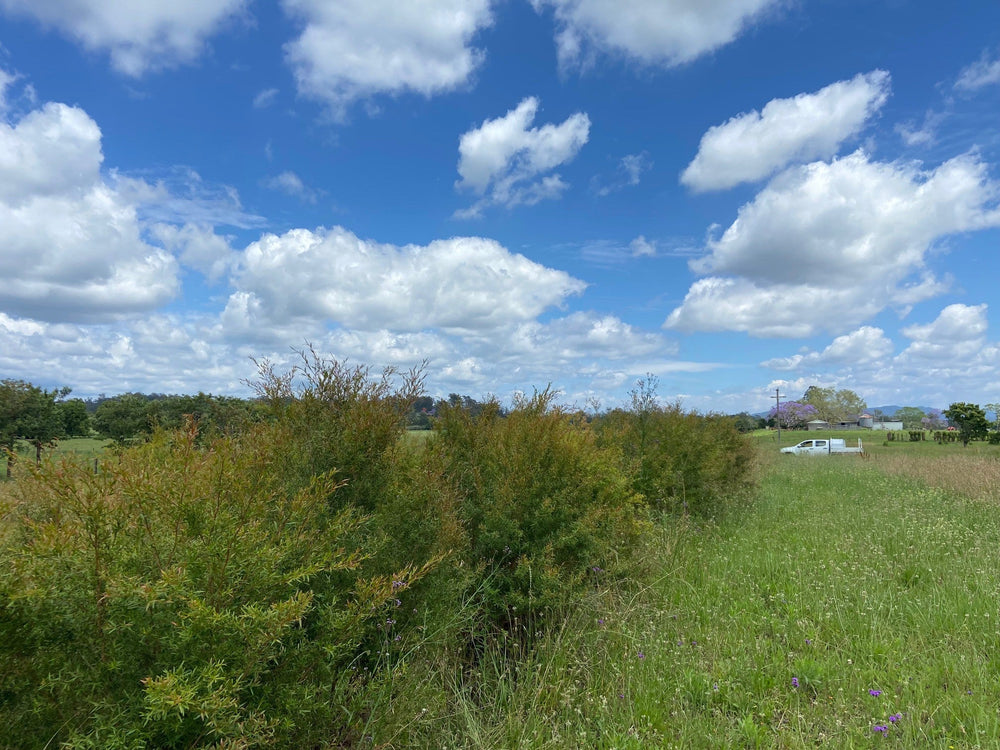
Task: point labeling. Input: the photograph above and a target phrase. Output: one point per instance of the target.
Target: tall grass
(846, 608)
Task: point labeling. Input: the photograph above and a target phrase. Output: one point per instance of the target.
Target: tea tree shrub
(182, 598)
(679, 461)
(543, 506)
(340, 418)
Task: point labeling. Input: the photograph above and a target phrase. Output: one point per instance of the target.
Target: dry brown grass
(975, 476)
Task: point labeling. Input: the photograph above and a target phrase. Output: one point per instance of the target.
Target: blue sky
(731, 195)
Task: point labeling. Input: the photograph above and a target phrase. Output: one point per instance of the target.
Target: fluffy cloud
(657, 32)
(506, 161)
(958, 332)
(465, 283)
(152, 354)
(826, 246)
(197, 246)
(140, 36)
(352, 49)
(983, 72)
(950, 356)
(72, 245)
(754, 145)
(865, 345)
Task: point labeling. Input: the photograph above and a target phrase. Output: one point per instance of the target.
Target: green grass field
(846, 607)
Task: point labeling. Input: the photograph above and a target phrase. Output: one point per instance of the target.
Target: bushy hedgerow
(342, 418)
(181, 598)
(257, 590)
(679, 461)
(543, 506)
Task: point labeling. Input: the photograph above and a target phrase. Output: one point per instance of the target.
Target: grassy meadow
(854, 603)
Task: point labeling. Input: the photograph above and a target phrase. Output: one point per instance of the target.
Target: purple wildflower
(642, 655)
(795, 682)
(895, 717)
(875, 693)
(600, 621)
(884, 729)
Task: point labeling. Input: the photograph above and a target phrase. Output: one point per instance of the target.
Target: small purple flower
(600, 621)
(715, 687)
(809, 641)
(795, 682)
(875, 693)
(397, 585)
(884, 729)
(895, 717)
(642, 655)
(597, 569)
(398, 638)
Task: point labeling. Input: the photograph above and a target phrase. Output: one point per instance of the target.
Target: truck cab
(809, 447)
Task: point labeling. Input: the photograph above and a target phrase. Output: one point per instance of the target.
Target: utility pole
(777, 413)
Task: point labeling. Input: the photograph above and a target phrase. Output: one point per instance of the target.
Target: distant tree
(31, 414)
(911, 417)
(834, 406)
(41, 422)
(970, 419)
(934, 420)
(793, 415)
(419, 416)
(14, 396)
(122, 418)
(76, 419)
(745, 422)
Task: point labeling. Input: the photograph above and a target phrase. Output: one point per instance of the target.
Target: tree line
(834, 406)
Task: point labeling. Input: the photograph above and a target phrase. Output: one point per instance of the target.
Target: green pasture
(875, 442)
(842, 608)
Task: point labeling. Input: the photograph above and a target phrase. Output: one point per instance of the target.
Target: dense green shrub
(678, 461)
(342, 418)
(543, 507)
(181, 598)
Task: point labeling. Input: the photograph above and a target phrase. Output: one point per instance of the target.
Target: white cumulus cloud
(507, 161)
(827, 245)
(140, 36)
(754, 145)
(865, 345)
(652, 32)
(459, 284)
(352, 49)
(958, 332)
(73, 248)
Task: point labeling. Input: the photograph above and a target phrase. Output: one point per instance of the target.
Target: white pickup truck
(824, 447)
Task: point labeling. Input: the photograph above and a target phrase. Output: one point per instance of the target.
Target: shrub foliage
(260, 589)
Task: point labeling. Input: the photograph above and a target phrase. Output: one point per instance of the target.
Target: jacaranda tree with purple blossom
(793, 415)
